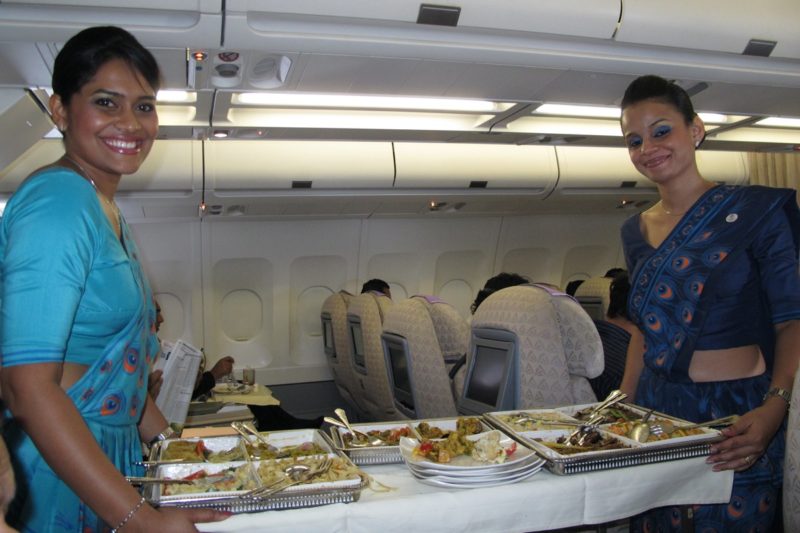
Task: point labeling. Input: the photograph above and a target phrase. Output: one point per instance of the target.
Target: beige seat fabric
(342, 365)
(594, 289)
(413, 319)
(555, 339)
(791, 466)
(452, 331)
(372, 390)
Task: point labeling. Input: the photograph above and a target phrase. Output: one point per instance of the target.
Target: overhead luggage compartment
(258, 165)
(475, 166)
(22, 124)
(714, 25)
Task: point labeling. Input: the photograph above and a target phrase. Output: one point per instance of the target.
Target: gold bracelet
(129, 515)
(783, 394)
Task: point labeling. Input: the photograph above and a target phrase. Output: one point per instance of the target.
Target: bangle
(164, 435)
(129, 515)
(783, 394)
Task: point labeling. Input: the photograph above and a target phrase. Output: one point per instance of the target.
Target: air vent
(627, 185)
(478, 184)
(438, 15)
(298, 184)
(759, 47)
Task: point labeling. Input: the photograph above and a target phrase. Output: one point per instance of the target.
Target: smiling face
(110, 124)
(660, 143)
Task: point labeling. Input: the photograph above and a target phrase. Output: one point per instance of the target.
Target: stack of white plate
(465, 472)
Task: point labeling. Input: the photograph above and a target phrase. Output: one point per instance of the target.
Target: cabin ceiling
(522, 54)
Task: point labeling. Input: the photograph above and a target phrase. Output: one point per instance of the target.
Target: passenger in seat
(377, 285)
(715, 293)
(615, 333)
(494, 284)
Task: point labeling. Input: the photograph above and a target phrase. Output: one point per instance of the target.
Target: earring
(697, 144)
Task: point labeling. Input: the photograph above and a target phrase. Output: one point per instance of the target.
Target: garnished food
(261, 450)
(229, 479)
(196, 451)
(610, 415)
(464, 425)
(588, 440)
(390, 437)
(624, 428)
(274, 471)
(486, 449)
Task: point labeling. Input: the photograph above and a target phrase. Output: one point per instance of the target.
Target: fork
(302, 477)
(658, 429)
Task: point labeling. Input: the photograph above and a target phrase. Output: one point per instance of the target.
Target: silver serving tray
(635, 454)
(214, 444)
(298, 496)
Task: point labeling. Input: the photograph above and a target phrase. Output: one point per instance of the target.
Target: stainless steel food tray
(295, 497)
(635, 454)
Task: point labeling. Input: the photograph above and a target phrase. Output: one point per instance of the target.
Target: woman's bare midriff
(72, 372)
(727, 364)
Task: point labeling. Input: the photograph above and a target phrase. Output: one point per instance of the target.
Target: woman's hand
(747, 439)
(154, 382)
(223, 367)
(171, 519)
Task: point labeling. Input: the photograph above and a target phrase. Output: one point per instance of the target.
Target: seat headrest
(452, 330)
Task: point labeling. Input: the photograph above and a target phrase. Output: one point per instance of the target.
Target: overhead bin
(464, 166)
(22, 124)
(715, 25)
(586, 18)
(244, 165)
(591, 170)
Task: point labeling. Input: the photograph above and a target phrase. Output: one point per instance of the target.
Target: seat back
(791, 463)
(410, 327)
(615, 348)
(594, 295)
(557, 345)
(338, 345)
(365, 319)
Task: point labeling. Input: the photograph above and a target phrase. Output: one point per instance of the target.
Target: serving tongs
(247, 429)
(595, 417)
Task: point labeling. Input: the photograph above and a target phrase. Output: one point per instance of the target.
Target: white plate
(233, 388)
(463, 462)
(444, 481)
(531, 462)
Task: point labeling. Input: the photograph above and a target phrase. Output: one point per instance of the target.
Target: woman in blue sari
(715, 294)
(77, 313)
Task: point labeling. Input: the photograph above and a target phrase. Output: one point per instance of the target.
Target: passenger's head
(618, 296)
(377, 285)
(159, 315)
(573, 285)
(87, 51)
(612, 272)
(494, 284)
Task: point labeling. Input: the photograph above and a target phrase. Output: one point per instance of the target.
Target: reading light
(199, 55)
(780, 122)
(578, 110)
(367, 102)
(221, 134)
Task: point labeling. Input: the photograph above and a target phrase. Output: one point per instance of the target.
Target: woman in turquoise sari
(715, 294)
(77, 313)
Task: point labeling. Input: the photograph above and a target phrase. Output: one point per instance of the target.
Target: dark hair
(375, 285)
(657, 88)
(612, 272)
(88, 50)
(573, 285)
(494, 284)
(618, 296)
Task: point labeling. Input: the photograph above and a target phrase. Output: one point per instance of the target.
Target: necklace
(670, 213)
(110, 203)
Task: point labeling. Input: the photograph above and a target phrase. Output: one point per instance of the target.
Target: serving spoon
(640, 431)
(356, 443)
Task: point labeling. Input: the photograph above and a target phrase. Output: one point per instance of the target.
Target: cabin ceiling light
(370, 120)
(565, 126)
(221, 134)
(176, 97)
(368, 102)
(780, 122)
(578, 111)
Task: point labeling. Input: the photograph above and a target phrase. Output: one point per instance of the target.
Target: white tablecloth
(545, 501)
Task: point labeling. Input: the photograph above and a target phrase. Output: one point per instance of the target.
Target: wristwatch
(784, 394)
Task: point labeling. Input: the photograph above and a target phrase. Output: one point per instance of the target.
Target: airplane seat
(615, 342)
(548, 328)
(338, 346)
(594, 295)
(452, 332)
(421, 386)
(365, 316)
(791, 463)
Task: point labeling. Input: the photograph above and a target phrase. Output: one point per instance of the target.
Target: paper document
(179, 361)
